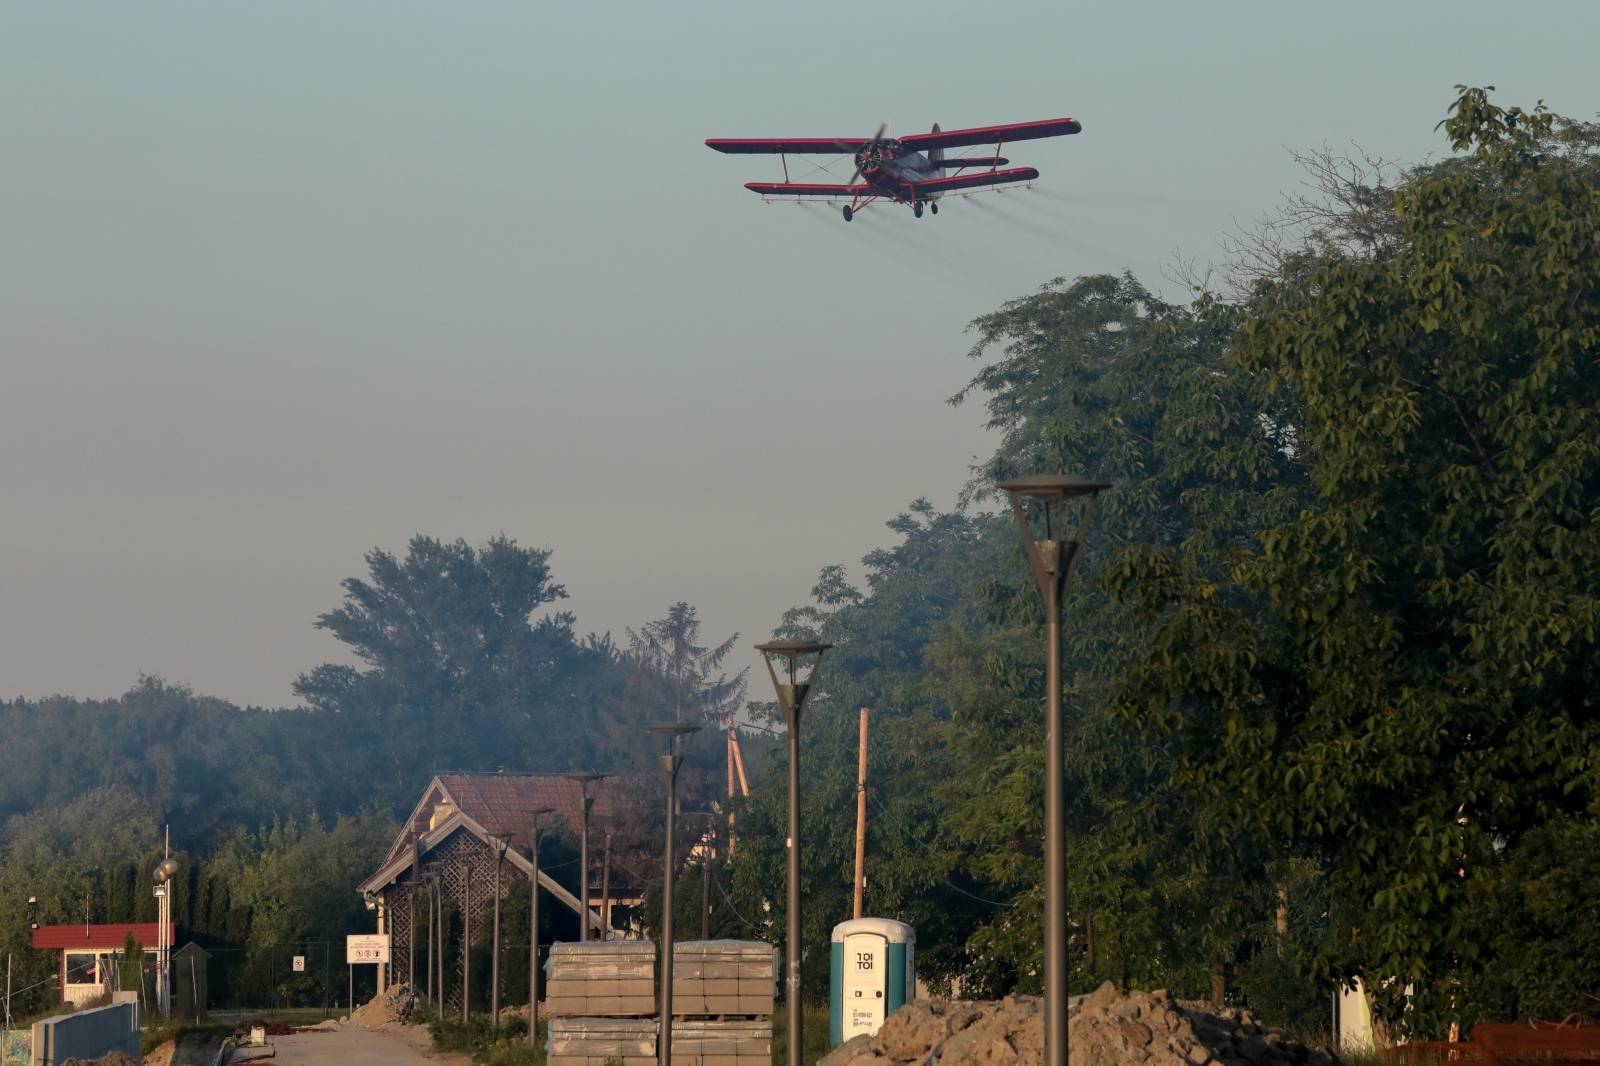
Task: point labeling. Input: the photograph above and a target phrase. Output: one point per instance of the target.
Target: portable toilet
(873, 973)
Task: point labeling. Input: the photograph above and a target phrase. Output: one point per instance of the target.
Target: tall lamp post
(1053, 559)
(164, 872)
(502, 841)
(793, 666)
(671, 763)
(584, 780)
(535, 837)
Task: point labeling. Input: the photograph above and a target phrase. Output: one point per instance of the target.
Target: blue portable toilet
(873, 974)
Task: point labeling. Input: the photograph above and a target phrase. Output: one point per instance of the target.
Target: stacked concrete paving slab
(601, 979)
(722, 1042)
(602, 1042)
(723, 977)
(602, 1002)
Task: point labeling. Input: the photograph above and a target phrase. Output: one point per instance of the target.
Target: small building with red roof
(90, 954)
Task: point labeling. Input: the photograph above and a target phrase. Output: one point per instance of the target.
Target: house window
(81, 969)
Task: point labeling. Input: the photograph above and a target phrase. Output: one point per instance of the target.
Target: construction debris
(1105, 1028)
(393, 1007)
(110, 1058)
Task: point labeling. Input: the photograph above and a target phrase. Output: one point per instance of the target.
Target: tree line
(1329, 652)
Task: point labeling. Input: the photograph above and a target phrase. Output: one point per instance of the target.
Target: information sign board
(366, 948)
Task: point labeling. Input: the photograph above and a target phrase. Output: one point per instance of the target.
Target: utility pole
(730, 785)
(861, 818)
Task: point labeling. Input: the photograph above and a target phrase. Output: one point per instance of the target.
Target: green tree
(462, 664)
(676, 671)
(1398, 679)
(1100, 377)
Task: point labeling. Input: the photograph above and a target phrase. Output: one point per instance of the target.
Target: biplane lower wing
(975, 181)
(1016, 131)
(788, 188)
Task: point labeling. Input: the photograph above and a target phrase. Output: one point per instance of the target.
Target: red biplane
(904, 170)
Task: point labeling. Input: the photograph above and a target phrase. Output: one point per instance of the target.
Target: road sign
(299, 964)
(367, 948)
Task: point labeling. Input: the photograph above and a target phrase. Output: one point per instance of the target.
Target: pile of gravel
(393, 1007)
(1105, 1028)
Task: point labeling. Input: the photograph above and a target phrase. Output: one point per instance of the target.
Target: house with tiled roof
(453, 834)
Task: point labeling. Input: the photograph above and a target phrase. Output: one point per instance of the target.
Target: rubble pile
(110, 1058)
(1105, 1028)
(393, 1007)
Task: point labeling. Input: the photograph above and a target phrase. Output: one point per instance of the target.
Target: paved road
(405, 1045)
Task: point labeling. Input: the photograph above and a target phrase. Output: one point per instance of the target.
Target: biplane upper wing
(1016, 131)
(974, 181)
(791, 188)
(787, 145)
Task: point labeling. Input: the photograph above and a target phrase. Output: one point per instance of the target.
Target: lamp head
(1049, 493)
(165, 870)
(792, 665)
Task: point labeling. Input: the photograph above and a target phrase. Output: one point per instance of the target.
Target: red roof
(504, 803)
(100, 937)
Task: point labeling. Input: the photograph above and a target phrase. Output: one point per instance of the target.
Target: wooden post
(730, 786)
(738, 763)
(861, 817)
(383, 927)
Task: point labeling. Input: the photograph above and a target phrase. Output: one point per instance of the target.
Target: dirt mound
(110, 1058)
(1105, 1028)
(394, 1006)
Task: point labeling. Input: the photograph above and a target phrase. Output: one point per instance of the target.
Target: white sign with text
(367, 948)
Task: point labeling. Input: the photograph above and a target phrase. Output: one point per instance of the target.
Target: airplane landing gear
(934, 208)
(916, 209)
(848, 214)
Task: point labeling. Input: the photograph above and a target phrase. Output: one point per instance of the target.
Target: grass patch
(814, 1034)
(503, 1045)
(153, 1036)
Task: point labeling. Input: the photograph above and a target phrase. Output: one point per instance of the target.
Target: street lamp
(502, 841)
(1052, 560)
(584, 780)
(799, 660)
(535, 835)
(164, 872)
(671, 763)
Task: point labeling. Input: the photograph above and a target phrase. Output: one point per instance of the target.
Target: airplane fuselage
(892, 169)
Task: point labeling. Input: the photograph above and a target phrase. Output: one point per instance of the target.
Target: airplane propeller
(867, 151)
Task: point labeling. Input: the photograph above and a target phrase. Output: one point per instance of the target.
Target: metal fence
(1525, 1044)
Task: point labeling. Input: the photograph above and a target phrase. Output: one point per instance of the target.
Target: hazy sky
(281, 282)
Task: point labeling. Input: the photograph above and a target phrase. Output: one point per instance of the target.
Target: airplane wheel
(934, 208)
(848, 214)
(916, 209)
